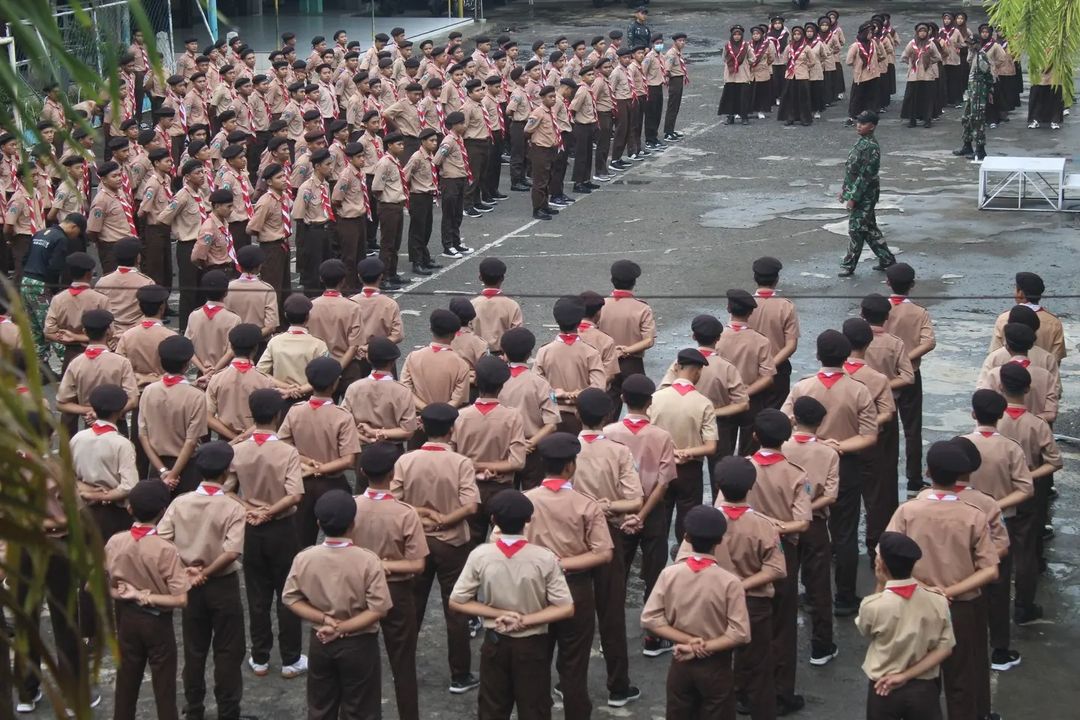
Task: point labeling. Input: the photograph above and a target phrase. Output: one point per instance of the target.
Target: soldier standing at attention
(976, 98)
(861, 190)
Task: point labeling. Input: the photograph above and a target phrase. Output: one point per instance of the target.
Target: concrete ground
(695, 217)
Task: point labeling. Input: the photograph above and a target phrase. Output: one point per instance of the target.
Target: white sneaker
(260, 669)
(840, 96)
(817, 116)
(1055, 126)
(993, 126)
(295, 670)
(601, 178)
(28, 707)
(1065, 111)
(761, 116)
(1033, 124)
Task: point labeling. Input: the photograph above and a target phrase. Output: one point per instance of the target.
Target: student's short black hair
(706, 339)
(334, 529)
(96, 333)
(831, 360)
(899, 568)
(590, 419)
(555, 466)
(150, 309)
(489, 279)
(623, 283)
(215, 294)
(986, 417)
(941, 477)
(901, 288)
(488, 390)
(766, 280)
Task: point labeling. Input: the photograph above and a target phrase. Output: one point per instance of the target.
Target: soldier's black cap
(443, 322)
(214, 280)
(221, 197)
(370, 268)
(706, 326)
(947, 456)
(455, 118)
(335, 509)
(1030, 284)
(332, 271)
(691, 356)
(1024, 315)
(265, 402)
(858, 332)
(988, 402)
(897, 546)
(212, 459)
(773, 424)
(808, 410)
(595, 402)
(1015, 377)
(767, 266)
(1019, 337)
(97, 319)
(876, 304)
(297, 304)
(900, 273)
(127, 250)
(108, 399)
(568, 311)
(439, 413)
(491, 370)
(741, 300)
(593, 301)
(559, 446)
(518, 342)
(378, 458)
(706, 523)
(245, 335)
(969, 449)
(511, 507)
(380, 350)
(152, 294)
(148, 498)
(867, 117)
(176, 349)
(638, 384)
(735, 476)
(625, 270)
(250, 257)
(322, 372)
(832, 343)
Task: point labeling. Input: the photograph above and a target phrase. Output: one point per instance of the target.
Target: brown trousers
(399, 637)
(967, 670)
(531, 475)
(214, 617)
(653, 541)
(785, 604)
(603, 142)
(314, 488)
(142, 639)
(109, 520)
(909, 403)
(344, 678)
(187, 277)
(239, 232)
(815, 560)
(999, 605)
(880, 490)
(754, 678)
(844, 527)
(479, 522)
(157, 254)
(392, 221)
(916, 700)
(352, 247)
(445, 562)
(541, 161)
(269, 550)
(570, 641)
(701, 689)
(478, 151)
(276, 271)
(609, 589)
(632, 365)
(514, 671)
(683, 494)
(20, 246)
(106, 256)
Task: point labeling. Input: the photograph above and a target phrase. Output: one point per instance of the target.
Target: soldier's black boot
(965, 151)
(980, 153)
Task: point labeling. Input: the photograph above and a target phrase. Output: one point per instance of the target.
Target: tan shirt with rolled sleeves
(999, 535)
(349, 194)
(450, 158)
(91, 370)
(470, 347)
(875, 382)
(254, 300)
(720, 380)
(203, 526)
(782, 489)
(266, 223)
(911, 323)
(583, 106)
(1036, 355)
(605, 469)
(68, 199)
(954, 535)
(706, 604)
(154, 197)
(849, 406)
(120, 286)
(497, 435)
(750, 545)
(532, 397)
(776, 318)
(1050, 336)
(863, 69)
(231, 180)
(405, 115)
(182, 213)
(654, 68)
(66, 308)
(373, 151)
(418, 174)
(105, 461)
(324, 433)
(287, 355)
(902, 631)
(567, 522)
(140, 346)
(150, 563)
(620, 82)
(228, 391)
(308, 206)
(439, 479)
(604, 100)
(171, 416)
(389, 528)
(435, 373)
(651, 446)
(341, 582)
(748, 350)
(690, 418)
(570, 366)
(380, 402)
(1034, 435)
(518, 108)
(821, 463)
(544, 134)
(525, 583)
(264, 473)
(107, 217)
(475, 127)
(335, 319)
(387, 182)
(1004, 467)
(920, 60)
(889, 356)
(1041, 399)
(604, 345)
(381, 315)
(212, 247)
(208, 329)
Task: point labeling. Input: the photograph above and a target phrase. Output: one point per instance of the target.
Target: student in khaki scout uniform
(455, 173)
(104, 462)
(910, 635)
(253, 299)
(228, 390)
(721, 382)
(545, 146)
(388, 183)
(533, 398)
(325, 437)
(849, 427)
(288, 354)
(147, 581)
(777, 319)
(1043, 458)
(393, 531)
(234, 177)
(524, 591)
(266, 479)
(570, 523)
(1042, 400)
(590, 332)
(185, 214)
(381, 314)
(568, 363)
(911, 323)
(314, 216)
(605, 107)
(700, 606)
(172, 418)
(751, 354)
(121, 285)
(140, 343)
(1051, 335)
(630, 323)
(270, 228)
(960, 559)
(95, 367)
(422, 178)
(208, 327)
(382, 408)
(112, 216)
(337, 321)
(479, 134)
(496, 312)
(341, 590)
(441, 484)
(154, 196)
(470, 346)
(1025, 316)
(215, 248)
(207, 527)
(688, 415)
(436, 373)
(781, 493)
(822, 465)
(585, 114)
(350, 200)
(63, 320)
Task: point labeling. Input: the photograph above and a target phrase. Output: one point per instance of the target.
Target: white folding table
(1037, 180)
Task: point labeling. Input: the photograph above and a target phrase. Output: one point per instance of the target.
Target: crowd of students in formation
(800, 70)
(528, 490)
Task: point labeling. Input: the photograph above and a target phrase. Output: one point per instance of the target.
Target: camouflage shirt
(861, 173)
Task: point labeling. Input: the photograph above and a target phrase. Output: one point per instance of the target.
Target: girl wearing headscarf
(837, 32)
(863, 56)
(831, 41)
(795, 102)
(735, 98)
(780, 37)
(920, 55)
(951, 42)
(761, 53)
(887, 81)
(1001, 65)
(941, 82)
(817, 70)
(965, 37)
(1045, 104)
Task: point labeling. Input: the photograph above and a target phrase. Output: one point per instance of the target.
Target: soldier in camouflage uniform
(42, 271)
(860, 193)
(980, 83)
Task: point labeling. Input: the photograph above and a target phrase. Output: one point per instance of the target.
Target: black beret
(491, 370)
(691, 356)
(108, 399)
(221, 197)
(767, 266)
(773, 423)
(117, 143)
(735, 473)
(332, 271)
(876, 304)
(152, 294)
(297, 304)
(568, 311)
(148, 498)
(336, 125)
(463, 308)
(213, 458)
(158, 154)
(706, 326)
(559, 446)
(73, 160)
(624, 51)
(832, 343)
(969, 449)
(546, 90)
(439, 413)
(394, 137)
(176, 348)
(858, 332)
(900, 273)
(322, 372)
(382, 37)
(443, 322)
(493, 79)
(1030, 284)
(250, 256)
(97, 319)
(518, 341)
(214, 280)
(897, 545)
(378, 458)
(568, 82)
(625, 270)
(237, 136)
(593, 301)
(320, 156)
(594, 401)
(510, 506)
(638, 384)
(370, 267)
(335, 508)
(108, 168)
(472, 84)
(988, 402)
(241, 82)
(265, 402)
(226, 116)
(428, 132)
(1025, 315)
(808, 410)
(353, 149)
(706, 523)
(947, 456)
(1019, 337)
(1015, 377)
(245, 335)
(127, 249)
(380, 350)
(191, 166)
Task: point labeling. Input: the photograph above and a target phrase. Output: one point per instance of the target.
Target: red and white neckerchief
(440, 113)
(1015, 412)
(324, 190)
(181, 111)
(697, 563)
(764, 293)
(795, 52)
(208, 167)
(683, 70)
(683, 387)
(404, 180)
(464, 156)
(140, 531)
(920, 50)
(245, 193)
(147, 324)
(803, 438)
(371, 494)
(58, 109)
(230, 248)
(379, 376)
(198, 198)
(369, 291)
(242, 366)
(734, 512)
(501, 118)
(211, 490)
(87, 167)
(262, 437)
(317, 403)
(567, 338)
(173, 380)
(592, 98)
(100, 427)
(129, 211)
(987, 433)
(736, 326)
(941, 497)
(285, 205)
(621, 294)
(432, 447)
(210, 309)
(77, 288)
(733, 56)
(297, 330)
(904, 591)
(853, 366)
(768, 457)
(829, 378)
(898, 299)
(557, 484)
(611, 96)
(866, 51)
(512, 547)
(439, 347)
(1020, 360)
(163, 135)
(336, 544)
(487, 121)
(635, 424)
(330, 93)
(590, 437)
(166, 185)
(555, 129)
(585, 326)
(1034, 306)
(517, 369)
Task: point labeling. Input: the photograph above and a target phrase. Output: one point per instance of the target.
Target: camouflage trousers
(863, 229)
(35, 300)
(974, 123)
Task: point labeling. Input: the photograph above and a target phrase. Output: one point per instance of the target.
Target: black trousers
(214, 617)
(652, 539)
(314, 488)
(269, 550)
(916, 700)
(967, 671)
(701, 689)
(754, 678)
(351, 236)
(421, 216)
(493, 172)
(584, 134)
(621, 136)
(373, 217)
(999, 604)
(542, 160)
(453, 206)
(517, 152)
(312, 247)
(400, 637)
(392, 220)
(844, 526)
(603, 142)
(276, 270)
(674, 102)
(654, 107)
(558, 170)
(58, 586)
(145, 637)
(684, 494)
(879, 482)
(609, 587)
(344, 678)
(570, 643)
(157, 254)
(445, 563)
(478, 151)
(815, 562)
(785, 609)
(514, 672)
(909, 403)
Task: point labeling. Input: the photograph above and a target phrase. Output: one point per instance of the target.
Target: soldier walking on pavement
(980, 84)
(860, 193)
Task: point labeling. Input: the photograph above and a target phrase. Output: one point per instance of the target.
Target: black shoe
(484, 207)
(849, 122)
(564, 199)
(980, 153)
(541, 215)
(623, 698)
(499, 196)
(807, 123)
(845, 273)
(398, 280)
(912, 123)
(655, 647)
(431, 265)
(926, 124)
(473, 212)
(519, 187)
(789, 704)
(914, 487)
(464, 684)
(670, 137)
(619, 165)
(882, 268)
(1004, 659)
(582, 189)
(746, 121)
(965, 151)
(550, 210)
(729, 120)
(742, 706)
(678, 135)
(1022, 615)
(592, 186)
(1048, 533)
(845, 607)
(419, 269)
(823, 655)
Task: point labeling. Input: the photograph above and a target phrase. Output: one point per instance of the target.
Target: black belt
(322, 224)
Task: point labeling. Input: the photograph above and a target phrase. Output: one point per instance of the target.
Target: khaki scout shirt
(93, 368)
(267, 224)
(605, 469)
(287, 355)
(751, 544)
(627, 319)
(452, 158)
(339, 579)
(489, 431)
(1034, 435)
(108, 217)
(381, 315)
(204, 524)
(265, 470)
(875, 382)
(567, 522)
(748, 350)
(387, 180)
(208, 329)
(911, 323)
(685, 413)
(888, 355)
(171, 416)
(570, 364)
(1050, 336)
(185, 212)
(150, 563)
(335, 319)
(821, 463)
(121, 286)
(439, 479)
(309, 206)
(720, 380)
(436, 373)
(140, 345)
(775, 318)
(902, 631)
(380, 402)
(228, 391)
(782, 489)
(604, 345)
(253, 300)
(849, 406)
(389, 528)
(350, 193)
(104, 458)
(709, 603)
(531, 396)
(651, 446)
(320, 430)
(67, 307)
